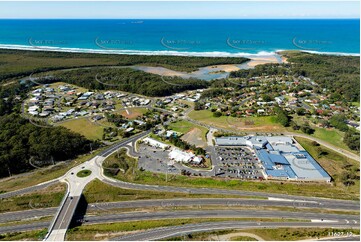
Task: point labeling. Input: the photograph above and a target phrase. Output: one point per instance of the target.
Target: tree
(300, 111)
(306, 128)
(282, 117)
(339, 122)
(198, 106)
(352, 139)
(217, 114)
(267, 98)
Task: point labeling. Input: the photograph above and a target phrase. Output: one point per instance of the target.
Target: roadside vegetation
(111, 230)
(40, 175)
(45, 198)
(24, 146)
(345, 172)
(279, 234)
(94, 193)
(35, 235)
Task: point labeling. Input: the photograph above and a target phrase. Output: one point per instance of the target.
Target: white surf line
(289, 200)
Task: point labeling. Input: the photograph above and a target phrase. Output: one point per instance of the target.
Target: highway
(176, 203)
(159, 188)
(173, 231)
(76, 186)
(223, 213)
(350, 220)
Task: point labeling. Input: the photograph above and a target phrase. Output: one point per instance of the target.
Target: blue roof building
(281, 158)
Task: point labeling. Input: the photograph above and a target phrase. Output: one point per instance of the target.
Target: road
(177, 189)
(76, 185)
(223, 213)
(351, 220)
(344, 152)
(63, 220)
(176, 203)
(28, 189)
(174, 231)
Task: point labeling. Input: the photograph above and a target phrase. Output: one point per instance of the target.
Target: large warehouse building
(280, 156)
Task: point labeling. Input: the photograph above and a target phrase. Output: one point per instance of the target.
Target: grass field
(253, 124)
(331, 135)
(184, 126)
(84, 127)
(48, 197)
(133, 113)
(335, 164)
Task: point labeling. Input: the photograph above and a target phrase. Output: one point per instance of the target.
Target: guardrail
(50, 229)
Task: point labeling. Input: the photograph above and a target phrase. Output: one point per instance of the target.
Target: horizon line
(311, 18)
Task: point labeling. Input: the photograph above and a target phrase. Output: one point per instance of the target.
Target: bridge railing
(51, 227)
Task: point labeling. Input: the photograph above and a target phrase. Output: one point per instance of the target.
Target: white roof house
(155, 143)
(180, 156)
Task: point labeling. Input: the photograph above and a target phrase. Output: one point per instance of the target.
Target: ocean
(184, 37)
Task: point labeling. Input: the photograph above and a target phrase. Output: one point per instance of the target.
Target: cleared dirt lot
(194, 137)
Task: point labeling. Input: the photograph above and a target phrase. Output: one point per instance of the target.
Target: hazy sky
(177, 10)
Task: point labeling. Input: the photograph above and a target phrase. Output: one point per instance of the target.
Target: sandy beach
(262, 60)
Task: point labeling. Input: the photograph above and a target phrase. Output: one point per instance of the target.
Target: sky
(179, 10)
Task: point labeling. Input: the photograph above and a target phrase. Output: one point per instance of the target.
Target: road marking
(323, 220)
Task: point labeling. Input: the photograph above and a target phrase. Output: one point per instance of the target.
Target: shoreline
(260, 55)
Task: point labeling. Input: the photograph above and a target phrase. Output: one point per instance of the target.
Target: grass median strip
(94, 192)
(109, 230)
